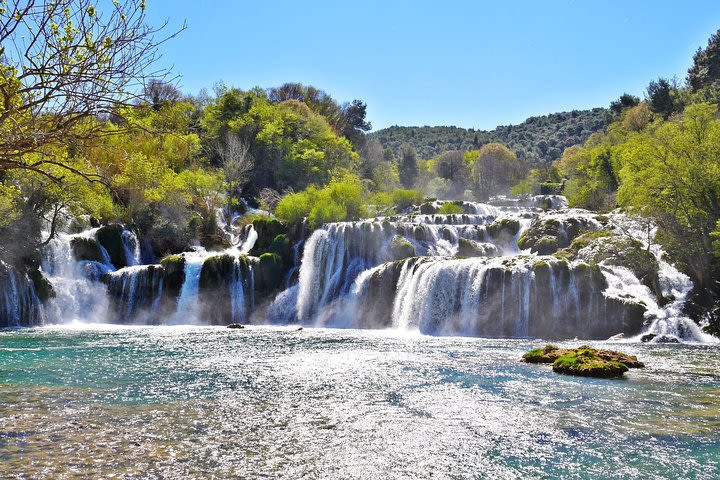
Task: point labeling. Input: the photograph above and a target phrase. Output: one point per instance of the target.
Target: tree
(672, 174)
(705, 70)
(495, 170)
(65, 64)
(625, 101)
(158, 93)
(661, 98)
(408, 167)
(237, 163)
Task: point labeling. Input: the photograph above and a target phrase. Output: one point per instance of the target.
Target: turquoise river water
(209, 402)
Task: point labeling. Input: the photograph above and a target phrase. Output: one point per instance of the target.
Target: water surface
(179, 402)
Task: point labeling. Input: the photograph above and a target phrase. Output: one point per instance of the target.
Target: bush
(342, 199)
(406, 198)
(449, 209)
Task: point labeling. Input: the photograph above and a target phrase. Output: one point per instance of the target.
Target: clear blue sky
(472, 64)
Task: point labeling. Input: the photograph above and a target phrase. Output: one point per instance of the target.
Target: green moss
(270, 271)
(281, 246)
(110, 237)
(428, 209)
(267, 229)
(584, 361)
(86, 249)
(401, 248)
(503, 226)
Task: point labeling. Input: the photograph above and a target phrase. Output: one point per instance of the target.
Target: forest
(90, 135)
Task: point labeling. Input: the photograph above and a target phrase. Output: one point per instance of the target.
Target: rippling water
(178, 402)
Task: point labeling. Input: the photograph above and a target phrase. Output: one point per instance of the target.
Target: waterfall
(79, 293)
(137, 292)
(19, 303)
(350, 276)
(237, 294)
(188, 304)
(131, 247)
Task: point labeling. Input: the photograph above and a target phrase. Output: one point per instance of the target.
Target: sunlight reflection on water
(178, 402)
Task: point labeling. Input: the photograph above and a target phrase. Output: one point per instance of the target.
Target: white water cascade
(350, 276)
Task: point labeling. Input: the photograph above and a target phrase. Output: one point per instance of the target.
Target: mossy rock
(547, 235)
(270, 272)
(419, 233)
(584, 361)
(281, 246)
(508, 227)
(110, 237)
(267, 229)
(174, 266)
(216, 271)
(43, 288)
(428, 209)
(471, 248)
(401, 248)
(580, 242)
(617, 250)
(86, 249)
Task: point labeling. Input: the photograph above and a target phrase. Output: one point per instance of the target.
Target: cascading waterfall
(131, 247)
(188, 303)
(79, 293)
(349, 277)
(457, 274)
(136, 292)
(19, 303)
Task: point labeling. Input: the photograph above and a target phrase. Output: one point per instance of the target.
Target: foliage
(705, 70)
(536, 141)
(449, 209)
(342, 199)
(670, 172)
(63, 64)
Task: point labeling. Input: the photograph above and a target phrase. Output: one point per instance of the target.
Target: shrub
(450, 208)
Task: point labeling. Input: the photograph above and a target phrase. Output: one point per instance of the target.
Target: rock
(270, 272)
(648, 337)
(471, 248)
(401, 248)
(546, 235)
(666, 339)
(43, 288)
(503, 227)
(281, 246)
(174, 266)
(428, 209)
(86, 249)
(267, 229)
(236, 326)
(619, 336)
(298, 329)
(419, 233)
(584, 361)
(110, 237)
(617, 250)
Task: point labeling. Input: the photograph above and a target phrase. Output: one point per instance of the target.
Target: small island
(584, 361)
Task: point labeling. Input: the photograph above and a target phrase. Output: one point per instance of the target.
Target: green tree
(64, 63)
(408, 167)
(705, 70)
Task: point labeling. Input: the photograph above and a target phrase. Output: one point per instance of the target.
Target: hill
(539, 139)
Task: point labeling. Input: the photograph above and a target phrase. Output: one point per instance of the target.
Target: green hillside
(537, 139)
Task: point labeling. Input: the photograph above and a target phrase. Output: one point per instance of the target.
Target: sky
(474, 64)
